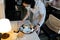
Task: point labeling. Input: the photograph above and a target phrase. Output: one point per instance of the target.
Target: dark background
(10, 11)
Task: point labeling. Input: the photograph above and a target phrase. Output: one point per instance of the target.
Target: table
(32, 36)
(13, 36)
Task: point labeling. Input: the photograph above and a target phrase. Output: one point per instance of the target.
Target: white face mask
(50, 0)
(28, 7)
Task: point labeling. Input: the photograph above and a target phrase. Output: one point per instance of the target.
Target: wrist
(23, 20)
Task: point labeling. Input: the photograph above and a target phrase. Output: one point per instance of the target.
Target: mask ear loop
(19, 2)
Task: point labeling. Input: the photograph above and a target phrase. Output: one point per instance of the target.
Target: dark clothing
(23, 12)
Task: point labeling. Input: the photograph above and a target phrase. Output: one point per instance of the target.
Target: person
(39, 13)
(32, 36)
(24, 12)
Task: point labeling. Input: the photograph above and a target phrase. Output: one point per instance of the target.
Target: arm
(28, 8)
(22, 21)
(26, 16)
(41, 19)
(40, 16)
(42, 11)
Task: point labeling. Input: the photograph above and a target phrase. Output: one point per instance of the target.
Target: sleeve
(42, 11)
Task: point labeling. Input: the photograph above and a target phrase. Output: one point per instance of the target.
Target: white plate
(26, 29)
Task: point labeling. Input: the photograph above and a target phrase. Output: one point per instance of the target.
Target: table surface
(13, 36)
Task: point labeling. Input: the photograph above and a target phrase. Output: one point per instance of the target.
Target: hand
(37, 28)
